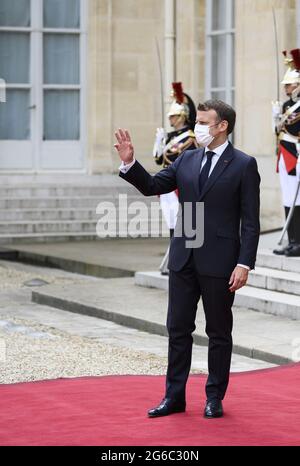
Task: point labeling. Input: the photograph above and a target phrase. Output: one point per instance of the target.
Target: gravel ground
(38, 342)
(30, 351)
(35, 352)
(14, 275)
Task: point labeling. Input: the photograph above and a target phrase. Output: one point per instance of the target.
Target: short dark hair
(223, 110)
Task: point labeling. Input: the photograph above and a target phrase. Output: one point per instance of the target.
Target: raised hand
(124, 146)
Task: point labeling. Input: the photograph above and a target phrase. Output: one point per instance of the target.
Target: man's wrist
(124, 168)
(129, 162)
(246, 267)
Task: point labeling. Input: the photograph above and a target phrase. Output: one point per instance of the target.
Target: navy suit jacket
(231, 198)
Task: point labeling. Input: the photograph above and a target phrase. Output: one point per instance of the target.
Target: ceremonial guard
(286, 120)
(169, 146)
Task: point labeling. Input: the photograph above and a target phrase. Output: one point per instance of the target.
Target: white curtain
(62, 13)
(15, 13)
(14, 57)
(61, 66)
(14, 115)
(219, 14)
(61, 59)
(14, 69)
(62, 115)
(219, 61)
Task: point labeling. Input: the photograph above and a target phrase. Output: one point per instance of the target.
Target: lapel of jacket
(197, 167)
(221, 165)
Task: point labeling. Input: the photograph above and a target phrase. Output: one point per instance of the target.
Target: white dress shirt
(218, 152)
(124, 168)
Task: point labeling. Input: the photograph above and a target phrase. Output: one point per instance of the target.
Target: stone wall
(256, 87)
(124, 86)
(124, 81)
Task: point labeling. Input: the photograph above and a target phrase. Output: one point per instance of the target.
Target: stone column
(190, 47)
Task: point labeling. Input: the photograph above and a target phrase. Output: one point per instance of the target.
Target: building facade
(76, 70)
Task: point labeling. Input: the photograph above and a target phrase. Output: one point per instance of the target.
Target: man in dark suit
(227, 181)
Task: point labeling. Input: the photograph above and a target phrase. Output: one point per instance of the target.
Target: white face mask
(203, 136)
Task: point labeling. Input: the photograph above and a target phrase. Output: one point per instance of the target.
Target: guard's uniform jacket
(177, 142)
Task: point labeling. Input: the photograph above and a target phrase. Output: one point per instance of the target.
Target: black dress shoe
(283, 251)
(294, 251)
(167, 407)
(213, 409)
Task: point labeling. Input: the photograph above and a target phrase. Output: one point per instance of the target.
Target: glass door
(42, 47)
(16, 147)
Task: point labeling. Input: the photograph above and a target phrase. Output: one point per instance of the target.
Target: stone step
(267, 279)
(255, 335)
(52, 214)
(63, 191)
(267, 259)
(275, 280)
(68, 202)
(121, 255)
(72, 226)
(152, 280)
(19, 215)
(250, 297)
(9, 239)
(269, 302)
(30, 227)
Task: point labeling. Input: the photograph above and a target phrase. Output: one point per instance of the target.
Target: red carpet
(261, 408)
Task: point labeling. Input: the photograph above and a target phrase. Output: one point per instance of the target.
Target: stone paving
(39, 342)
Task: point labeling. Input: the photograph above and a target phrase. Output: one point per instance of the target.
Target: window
(220, 23)
(15, 68)
(61, 71)
(42, 56)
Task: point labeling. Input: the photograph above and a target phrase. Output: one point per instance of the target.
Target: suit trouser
(185, 289)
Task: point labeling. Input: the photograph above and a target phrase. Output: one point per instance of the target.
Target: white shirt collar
(218, 150)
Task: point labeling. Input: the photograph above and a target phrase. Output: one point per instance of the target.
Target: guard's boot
(294, 250)
(281, 251)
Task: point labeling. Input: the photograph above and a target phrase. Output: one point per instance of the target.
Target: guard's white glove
(276, 116)
(298, 162)
(298, 171)
(160, 142)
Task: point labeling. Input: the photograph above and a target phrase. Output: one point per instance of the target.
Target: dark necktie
(205, 170)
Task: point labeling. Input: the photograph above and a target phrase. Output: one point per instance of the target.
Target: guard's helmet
(292, 75)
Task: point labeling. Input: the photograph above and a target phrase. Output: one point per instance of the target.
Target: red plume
(296, 57)
(178, 92)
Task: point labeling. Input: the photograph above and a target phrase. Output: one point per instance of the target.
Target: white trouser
(289, 184)
(169, 205)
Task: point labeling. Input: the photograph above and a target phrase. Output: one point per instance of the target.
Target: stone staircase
(273, 287)
(63, 209)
